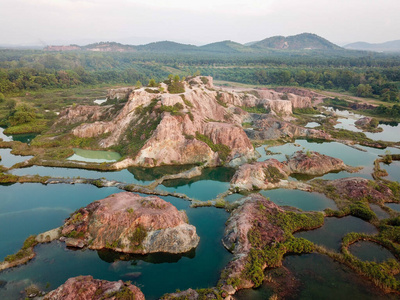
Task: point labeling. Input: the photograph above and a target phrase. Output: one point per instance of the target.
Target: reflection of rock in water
(151, 174)
(156, 258)
(221, 174)
(2, 284)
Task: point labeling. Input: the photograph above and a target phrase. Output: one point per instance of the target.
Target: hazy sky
(196, 22)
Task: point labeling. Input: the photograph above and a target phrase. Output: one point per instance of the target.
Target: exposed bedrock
(126, 222)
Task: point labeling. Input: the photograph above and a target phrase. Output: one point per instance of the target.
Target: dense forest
(363, 74)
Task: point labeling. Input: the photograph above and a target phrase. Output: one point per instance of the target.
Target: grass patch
(223, 150)
(25, 251)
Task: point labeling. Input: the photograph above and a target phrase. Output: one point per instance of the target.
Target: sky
(49, 22)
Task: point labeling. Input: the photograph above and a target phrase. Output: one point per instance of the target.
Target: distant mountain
(304, 41)
(166, 46)
(109, 47)
(226, 47)
(296, 42)
(392, 46)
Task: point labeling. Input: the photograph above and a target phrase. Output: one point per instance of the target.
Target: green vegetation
(25, 251)
(124, 293)
(138, 236)
(223, 150)
(175, 86)
(259, 109)
(291, 221)
(175, 110)
(382, 274)
(139, 131)
(273, 174)
(307, 110)
(361, 210)
(75, 234)
(271, 255)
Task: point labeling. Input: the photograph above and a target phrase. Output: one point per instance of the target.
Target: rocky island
(271, 173)
(126, 222)
(87, 288)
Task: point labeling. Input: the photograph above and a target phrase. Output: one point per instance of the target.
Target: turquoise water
(24, 138)
(304, 200)
(312, 125)
(349, 155)
(370, 251)
(390, 133)
(122, 176)
(393, 170)
(316, 276)
(94, 156)
(8, 159)
(233, 197)
(380, 213)
(212, 182)
(5, 138)
(154, 274)
(323, 278)
(394, 206)
(331, 233)
(32, 208)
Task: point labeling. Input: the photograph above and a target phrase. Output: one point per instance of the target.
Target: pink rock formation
(314, 163)
(173, 141)
(87, 288)
(129, 223)
(260, 175)
(358, 189)
(238, 226)
(270, 173)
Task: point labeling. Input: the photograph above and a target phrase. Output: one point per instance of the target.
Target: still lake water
(27, 209)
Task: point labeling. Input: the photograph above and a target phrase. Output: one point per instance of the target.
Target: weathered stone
(87, 288)
(271, 173)
(238, 226)
(313, 163)
(126, 222)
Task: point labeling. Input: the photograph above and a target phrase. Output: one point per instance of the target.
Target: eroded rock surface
(271, 173)
(87, 288)
(157, 128)
(254, 211)
(271, 128)
(260, 175)
(358, 189)
(127, 222)
(314, 163)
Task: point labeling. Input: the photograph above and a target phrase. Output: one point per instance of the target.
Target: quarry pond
(32, 208)
(290, 205)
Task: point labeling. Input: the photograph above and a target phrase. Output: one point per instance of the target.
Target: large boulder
(129, 223)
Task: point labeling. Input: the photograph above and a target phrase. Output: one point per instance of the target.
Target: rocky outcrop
(260, 175)
(87, 288)
(314, 163)
(363, 122)
(236, 235)
(81, 113)
(126, 222)
(271, 128)
(359, 189)
(121, 93)
(158, 128)
(271, 173)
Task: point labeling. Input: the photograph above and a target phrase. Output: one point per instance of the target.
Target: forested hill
(304, 41)
(296, 42)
